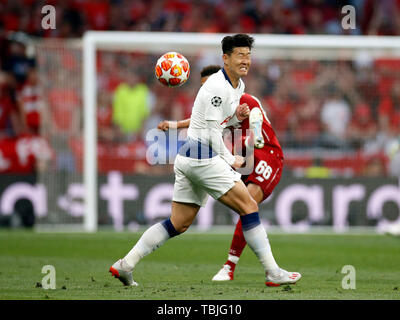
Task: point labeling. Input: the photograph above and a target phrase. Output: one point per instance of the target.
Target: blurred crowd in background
(350, 109)
(74, 17)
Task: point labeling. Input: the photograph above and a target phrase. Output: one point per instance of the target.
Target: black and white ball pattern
(216, 101)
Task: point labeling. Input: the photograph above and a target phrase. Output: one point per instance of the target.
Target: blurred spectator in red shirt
(294, 23)
(64, 114)
(278, 108)
(107, 130)
(30, 103)
(10, 124)
(362, 126)
(315, 22)
(389, 111)
(97, 13)
(305, 124)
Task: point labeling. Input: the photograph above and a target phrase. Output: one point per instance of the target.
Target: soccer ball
(172, 69)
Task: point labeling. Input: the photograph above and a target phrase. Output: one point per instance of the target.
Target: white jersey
(216, 100)
(215, 103)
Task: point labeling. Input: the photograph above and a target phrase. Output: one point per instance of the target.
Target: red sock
(237, 245)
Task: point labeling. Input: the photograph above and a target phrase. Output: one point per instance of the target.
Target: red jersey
(63, 107)
(19, 155)
(270, 139)
(268, 160)
(29, 97)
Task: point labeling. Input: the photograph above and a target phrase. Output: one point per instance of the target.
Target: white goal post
(289, 45)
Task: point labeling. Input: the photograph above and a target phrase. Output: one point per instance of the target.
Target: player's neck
(234, 81)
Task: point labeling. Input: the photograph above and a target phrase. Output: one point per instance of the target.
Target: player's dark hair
(238, 40)
(209, 70)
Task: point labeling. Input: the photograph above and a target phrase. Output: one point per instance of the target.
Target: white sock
(233, 259)
(257, 240)
(151, 239)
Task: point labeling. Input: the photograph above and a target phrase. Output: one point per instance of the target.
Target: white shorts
(196, 179)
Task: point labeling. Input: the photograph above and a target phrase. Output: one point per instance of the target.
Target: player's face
(239, 61)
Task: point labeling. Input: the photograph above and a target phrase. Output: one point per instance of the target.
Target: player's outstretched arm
(167, 124)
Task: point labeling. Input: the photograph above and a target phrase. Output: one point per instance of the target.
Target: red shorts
(268, 165)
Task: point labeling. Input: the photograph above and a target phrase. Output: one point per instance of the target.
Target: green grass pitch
(183, 267)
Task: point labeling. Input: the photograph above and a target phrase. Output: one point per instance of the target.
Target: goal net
(103, 102)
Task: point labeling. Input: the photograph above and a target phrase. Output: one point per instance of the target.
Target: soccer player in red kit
(268, 164)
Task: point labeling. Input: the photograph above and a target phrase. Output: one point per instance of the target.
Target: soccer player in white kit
(203, 167)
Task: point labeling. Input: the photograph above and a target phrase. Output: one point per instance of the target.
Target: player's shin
(257, 240)
(237, 246)
(151, 239)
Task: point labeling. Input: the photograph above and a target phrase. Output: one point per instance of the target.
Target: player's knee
(248, 206)
(252, 205)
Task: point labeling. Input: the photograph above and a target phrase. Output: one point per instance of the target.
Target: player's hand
(239, 161)
(163, 125)
(242, 111)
